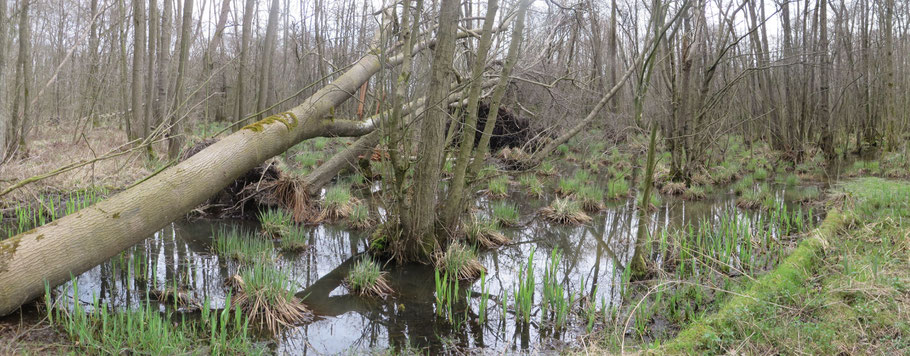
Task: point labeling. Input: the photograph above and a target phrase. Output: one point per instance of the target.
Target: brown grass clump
(338, 204)
(366, 279)
(565, 211)
(673, 188)
(459, 261)
(264, 294)
(485, 232)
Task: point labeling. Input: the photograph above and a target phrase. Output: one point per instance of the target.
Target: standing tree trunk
(175, 138)
(162, 80)
(208, 63)
(4, 116)
(265, 65)
(420, 229)
(150, 75)
(244, 56)
(139, 117)
(824, 114)
(453, 206)
(19, 128)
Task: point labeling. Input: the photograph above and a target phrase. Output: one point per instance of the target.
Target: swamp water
(590, 268)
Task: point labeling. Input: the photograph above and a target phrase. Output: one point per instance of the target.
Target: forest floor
(52, 147)
(848, 292)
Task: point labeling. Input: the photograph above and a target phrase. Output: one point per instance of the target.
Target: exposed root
(292, 195)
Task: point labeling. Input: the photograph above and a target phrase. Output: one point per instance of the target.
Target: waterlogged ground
(180, 256)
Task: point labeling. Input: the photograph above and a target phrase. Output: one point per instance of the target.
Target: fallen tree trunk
(73, 244)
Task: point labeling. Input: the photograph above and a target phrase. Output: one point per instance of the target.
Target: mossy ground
(845, 290)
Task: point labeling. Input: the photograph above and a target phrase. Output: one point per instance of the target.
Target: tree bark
(175, 137)
(244, 56)
(453, 205)
(265, 65)
(18, 128)
(824, 115)
(136, 89)
(419, 231)
(4, 116)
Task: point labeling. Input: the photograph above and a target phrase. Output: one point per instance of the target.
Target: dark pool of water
(594, 255)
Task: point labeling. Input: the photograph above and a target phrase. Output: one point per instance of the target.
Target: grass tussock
(506, 214)
(295, 241)
(459, 261)
(673, 188)
(338, 203)
(755, 198)
(265, 294)
(533, 184)
(498, 187)
(591, 198)
(360, 217)
(484, 232)
(240, 245)
(367, 279)
(695, 192)
(275, 222)
(618, 189)
(565, 211)
(145, 330)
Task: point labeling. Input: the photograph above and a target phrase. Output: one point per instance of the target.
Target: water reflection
(180, 257)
